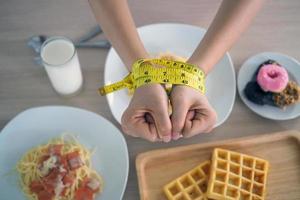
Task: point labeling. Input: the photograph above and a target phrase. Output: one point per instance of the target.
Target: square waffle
(237, 176)
(190, 186)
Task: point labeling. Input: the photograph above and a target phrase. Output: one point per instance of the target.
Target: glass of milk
(60, 59)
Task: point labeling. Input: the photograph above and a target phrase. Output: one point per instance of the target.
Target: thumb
(163, 124)
(178, 118)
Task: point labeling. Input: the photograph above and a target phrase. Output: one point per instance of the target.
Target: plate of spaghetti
(62, 153)
(60, 169)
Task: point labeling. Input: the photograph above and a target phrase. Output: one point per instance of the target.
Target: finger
(210, 116)
(194, 124)
(178, 118)
(136, 125)
(145, 130)
(201, 121)
(190, 115)
(154, 133)
(163, 124)
(152, 126)
(149, 118)
(212, 120)
(127, 131)
(125, 123)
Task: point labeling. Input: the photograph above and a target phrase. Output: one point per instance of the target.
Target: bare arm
(232, 19)
(192, 113)
(150, 100)
(118, 26)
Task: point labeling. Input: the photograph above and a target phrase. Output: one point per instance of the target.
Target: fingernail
(166, 138)
(176, 136)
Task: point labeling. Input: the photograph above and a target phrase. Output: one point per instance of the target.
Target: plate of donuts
(269, 84)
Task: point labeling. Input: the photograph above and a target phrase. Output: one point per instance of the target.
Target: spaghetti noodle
(60, 169)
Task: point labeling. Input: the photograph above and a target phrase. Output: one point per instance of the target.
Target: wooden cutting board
(159, 167)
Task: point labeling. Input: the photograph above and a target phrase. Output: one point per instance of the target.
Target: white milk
(61, 63)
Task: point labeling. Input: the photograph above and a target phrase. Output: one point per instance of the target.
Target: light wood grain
(157, 168)
(24, 85)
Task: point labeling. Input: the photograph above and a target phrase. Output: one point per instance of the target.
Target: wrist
(134, 57)
(200, 65)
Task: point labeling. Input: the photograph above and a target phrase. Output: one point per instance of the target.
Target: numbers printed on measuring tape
(146, 71)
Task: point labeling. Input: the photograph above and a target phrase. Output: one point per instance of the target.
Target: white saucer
(180, 39)
(248, 69)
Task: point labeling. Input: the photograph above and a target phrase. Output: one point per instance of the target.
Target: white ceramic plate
(248, 69)
(181, 40)
(36, 126)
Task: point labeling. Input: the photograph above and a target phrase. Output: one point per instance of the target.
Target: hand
(147, 114)
(192, 114)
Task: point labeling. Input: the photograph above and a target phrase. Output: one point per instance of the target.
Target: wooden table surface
(24, 85)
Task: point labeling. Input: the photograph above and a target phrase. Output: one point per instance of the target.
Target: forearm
(232, 19)
(119, 28)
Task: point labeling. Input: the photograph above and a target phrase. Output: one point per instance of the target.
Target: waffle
(190, 186)
(237, 176)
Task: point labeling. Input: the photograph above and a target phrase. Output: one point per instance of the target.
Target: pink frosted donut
(272, 78)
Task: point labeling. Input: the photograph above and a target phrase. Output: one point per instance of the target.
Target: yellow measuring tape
(146, 71)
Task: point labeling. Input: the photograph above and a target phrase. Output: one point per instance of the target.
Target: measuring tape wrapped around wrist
(146, 71)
